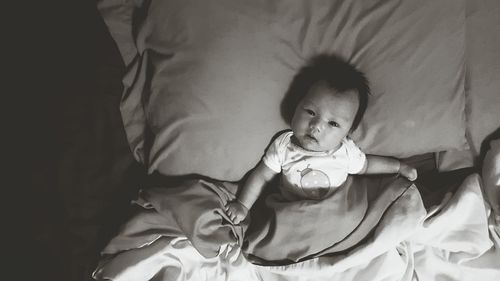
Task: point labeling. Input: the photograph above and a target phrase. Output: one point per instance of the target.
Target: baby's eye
(333, 124)
(310, 112)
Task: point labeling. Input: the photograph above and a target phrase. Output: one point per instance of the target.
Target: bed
(203, 95)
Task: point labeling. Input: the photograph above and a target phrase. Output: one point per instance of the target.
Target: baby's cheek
(332, 141)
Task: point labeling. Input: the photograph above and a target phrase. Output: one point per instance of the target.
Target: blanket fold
(198, 209)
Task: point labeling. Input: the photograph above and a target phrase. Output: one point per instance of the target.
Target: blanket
(283, 231)
(286, 232)
(395, 244)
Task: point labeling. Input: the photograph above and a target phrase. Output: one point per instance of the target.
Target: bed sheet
(455, 241)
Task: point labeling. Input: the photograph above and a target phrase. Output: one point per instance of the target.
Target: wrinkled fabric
(286, 231)
(283, 232)
(290, 231)
(406, 244)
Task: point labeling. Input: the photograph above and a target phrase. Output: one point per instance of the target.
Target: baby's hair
(337, 73)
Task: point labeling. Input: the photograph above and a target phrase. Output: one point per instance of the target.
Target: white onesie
(312, 174)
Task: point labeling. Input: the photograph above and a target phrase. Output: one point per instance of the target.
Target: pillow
(209, 77)
(483, 65)
(482, 90)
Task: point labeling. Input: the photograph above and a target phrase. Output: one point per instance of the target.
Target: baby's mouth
(311, 137)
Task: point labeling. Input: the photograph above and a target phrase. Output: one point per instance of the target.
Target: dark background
(73, 172)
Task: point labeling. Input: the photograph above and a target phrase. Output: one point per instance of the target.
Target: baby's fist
(236, 211)
(408, 171)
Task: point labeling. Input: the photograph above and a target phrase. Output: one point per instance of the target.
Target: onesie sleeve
(274, 156)
(356, 157)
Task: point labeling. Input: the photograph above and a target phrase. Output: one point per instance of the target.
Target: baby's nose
(316, 125)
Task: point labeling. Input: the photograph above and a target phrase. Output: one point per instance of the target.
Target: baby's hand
(236, 211)
(408, 171)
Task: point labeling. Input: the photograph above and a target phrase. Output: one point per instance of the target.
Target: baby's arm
(386, 165)
(237, 210)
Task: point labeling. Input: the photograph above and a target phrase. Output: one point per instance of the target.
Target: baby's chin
(311, 145)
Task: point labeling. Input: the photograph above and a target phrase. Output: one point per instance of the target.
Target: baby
(316, 156)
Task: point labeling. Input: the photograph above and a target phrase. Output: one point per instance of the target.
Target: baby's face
(323, 118)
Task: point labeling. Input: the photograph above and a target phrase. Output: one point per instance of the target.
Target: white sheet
(457, 243)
